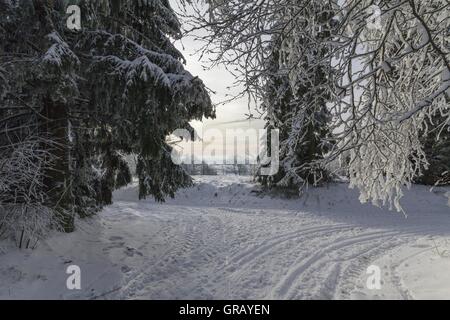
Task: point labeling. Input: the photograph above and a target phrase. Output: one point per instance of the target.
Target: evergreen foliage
(114, 88)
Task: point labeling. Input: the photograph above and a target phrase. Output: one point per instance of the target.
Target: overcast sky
(217, 79)
(229, 116)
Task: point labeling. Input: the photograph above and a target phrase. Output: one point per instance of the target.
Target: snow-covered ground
(223, 240)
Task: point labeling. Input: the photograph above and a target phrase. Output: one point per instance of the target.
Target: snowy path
(220, 240)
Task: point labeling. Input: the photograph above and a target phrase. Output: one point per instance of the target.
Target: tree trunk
(56, 178)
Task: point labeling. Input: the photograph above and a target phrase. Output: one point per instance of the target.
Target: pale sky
(229, 116)
(218, 80)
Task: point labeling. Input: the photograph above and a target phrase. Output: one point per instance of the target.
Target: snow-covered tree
(24, 213)
(295, 98)
(150, 93)
(436, 145)
(116, 87)
(277, 105)
(393, 76)
(390, 72)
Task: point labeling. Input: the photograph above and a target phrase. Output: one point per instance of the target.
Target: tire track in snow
(233, 271)
(351, 267)
(254, 252)
(260, 251)
(150, 268)
(283, 289)
(396, 279)
(192, 246)
(239, 269)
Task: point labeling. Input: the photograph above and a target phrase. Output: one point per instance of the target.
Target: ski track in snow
(220, 240)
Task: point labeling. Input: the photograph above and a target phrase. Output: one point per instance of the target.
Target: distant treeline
(220, 169)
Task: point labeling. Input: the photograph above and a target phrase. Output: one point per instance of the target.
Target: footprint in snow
(115, 238)
(132, 251)
(125, 269)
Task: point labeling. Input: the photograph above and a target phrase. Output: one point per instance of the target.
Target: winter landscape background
(334, 182)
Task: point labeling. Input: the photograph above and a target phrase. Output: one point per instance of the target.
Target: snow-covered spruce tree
(276, 104)
(149, 94)
(26, 153)
(295, 100)
(39, 71)
(115, 87)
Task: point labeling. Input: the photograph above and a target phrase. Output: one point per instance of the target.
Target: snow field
(223, 239)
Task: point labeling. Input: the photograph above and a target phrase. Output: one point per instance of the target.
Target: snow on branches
(393, 80)
(24, 215)
(383, 80)
(115, 87)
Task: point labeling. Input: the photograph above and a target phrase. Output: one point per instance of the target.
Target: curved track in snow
(222, 240)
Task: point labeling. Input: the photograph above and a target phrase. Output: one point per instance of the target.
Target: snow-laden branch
(384, 78)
